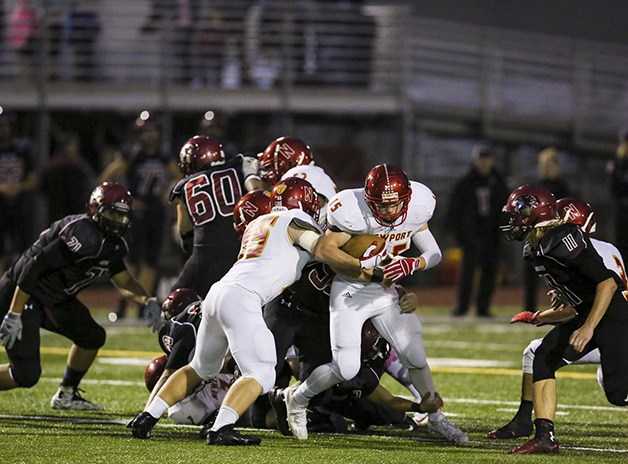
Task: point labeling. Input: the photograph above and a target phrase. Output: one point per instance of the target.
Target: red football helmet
(528, 207)
(110, 206)
(282, 155)
(179, 300)
(294, 192)
(385, 185)
(199, 152)
(374, 346)
(249, 207)
(154, 371)
(577, 212)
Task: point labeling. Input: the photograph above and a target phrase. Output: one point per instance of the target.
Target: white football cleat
(447, 430)
(297, 415)
(70, 398)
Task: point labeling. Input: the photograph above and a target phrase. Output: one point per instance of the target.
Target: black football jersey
(148, 176)
(209, 197)
(66, 258)
(177, 337)
(567, 261)
(311, 291)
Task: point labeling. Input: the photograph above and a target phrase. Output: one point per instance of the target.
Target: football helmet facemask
(179, 300)
(282, 155)
(110, 206)
(249, 207)
(293, 193)
(577, 212)
(387, 193)
(200, 152)
(528, 207)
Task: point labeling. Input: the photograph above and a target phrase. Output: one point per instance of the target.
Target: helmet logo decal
(390, 196)
(571, 212)
(280, 189)
(285, 150)
(249, 209)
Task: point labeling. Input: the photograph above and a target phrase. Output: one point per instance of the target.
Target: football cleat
(70, 398)
(276, 398)
(513, 429)
(142, 425)
(447, 430)
(538, 445)
(297, 415)
(227, 436)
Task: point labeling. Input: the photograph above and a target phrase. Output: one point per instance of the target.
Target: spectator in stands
(18, 180)
(550, 177)
(24, 34)
(83, 30)
(618, 170)
(474, 218)
(67, 179)
(148, 172)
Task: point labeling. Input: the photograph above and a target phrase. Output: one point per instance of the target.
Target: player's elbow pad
(426, 242)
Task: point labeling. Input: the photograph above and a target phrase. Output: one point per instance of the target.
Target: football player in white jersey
(275, 248)
(393, 207)
(580, 213)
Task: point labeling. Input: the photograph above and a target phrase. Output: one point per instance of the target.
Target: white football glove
(152, 314)
(371, 259)
(11, 329)
(250, 166)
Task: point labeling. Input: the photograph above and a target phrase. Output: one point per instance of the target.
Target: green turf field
(476, 368)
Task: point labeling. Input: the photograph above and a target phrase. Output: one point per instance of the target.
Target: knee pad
(618, 397)
(413, 357)
(266, 378)
(346, 364)
(26, 375)
(93, 340)
(528, 356)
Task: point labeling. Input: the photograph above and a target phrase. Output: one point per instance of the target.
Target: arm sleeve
(54, 256)
(430, 251)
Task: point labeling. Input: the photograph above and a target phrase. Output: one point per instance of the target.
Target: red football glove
(400, 267)
(371, 258)
(528, 317)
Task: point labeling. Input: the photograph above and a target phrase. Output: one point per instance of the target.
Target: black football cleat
(513, 429)
(538, 445)
(142, 425)
(276, 398)
(226, 436)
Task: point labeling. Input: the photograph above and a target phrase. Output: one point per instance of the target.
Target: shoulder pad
(177, 190)
(563, 243)
(82, 236)
(345, 212)
(422, 202)
(305, 221)
(315, 175)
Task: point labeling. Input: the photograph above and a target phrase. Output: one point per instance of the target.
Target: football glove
(400, 267)
(152, 314)
(11, 329)
(528, 317)
(371, 258)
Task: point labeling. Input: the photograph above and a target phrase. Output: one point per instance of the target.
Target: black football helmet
(110, 206)
(386, 185)
(577, 212)
(528, 207)
(179, 300)
(154, 371)
(282, 155)
(200, 152)
(249, 207)
(295, 193)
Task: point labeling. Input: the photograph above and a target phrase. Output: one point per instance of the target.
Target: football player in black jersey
(205, 198)
(563, 256)
(149, 172)
(40, 288)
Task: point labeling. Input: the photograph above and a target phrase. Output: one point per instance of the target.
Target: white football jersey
(348, 212)
(611, 256)
(202, 402)
(268, 262)
(319, 179)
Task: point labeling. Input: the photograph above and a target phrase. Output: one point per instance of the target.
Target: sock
(225, 416)
(157, 407)
(72, 377)
(321, 378)
(525, 411)
(544, 428)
